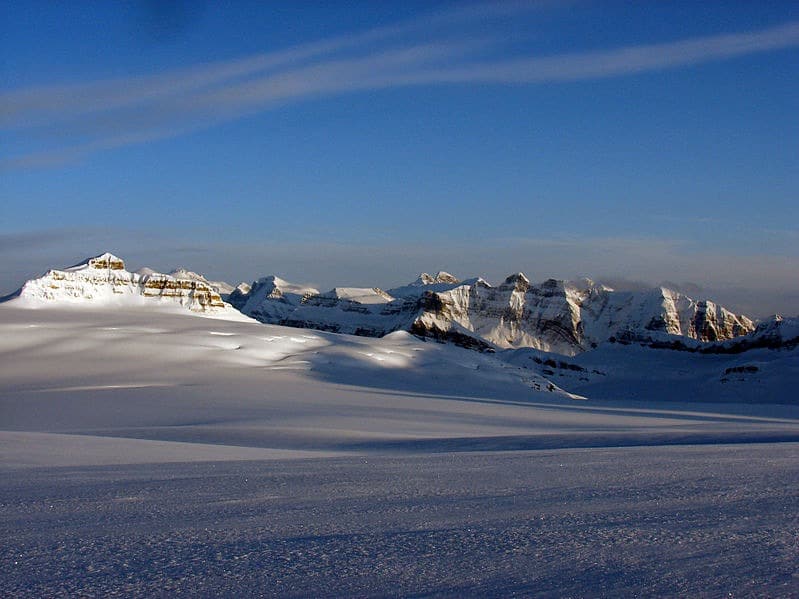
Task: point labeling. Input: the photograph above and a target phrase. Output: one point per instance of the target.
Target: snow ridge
(103, 280)
(554, 316)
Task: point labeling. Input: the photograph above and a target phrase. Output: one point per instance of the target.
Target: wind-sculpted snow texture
(556, 316)
(694, 521)
(149, 450)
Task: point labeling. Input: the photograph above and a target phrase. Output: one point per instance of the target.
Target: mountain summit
(103, 279)
(555, 316)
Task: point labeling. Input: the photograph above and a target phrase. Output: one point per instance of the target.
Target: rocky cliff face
(659, 310)
(367, 311)
(104, 279)
(554, 316)
(270, 299)
(222, 288)
(773, 333)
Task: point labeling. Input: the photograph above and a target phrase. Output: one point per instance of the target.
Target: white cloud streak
(621, 61)
(76, 120)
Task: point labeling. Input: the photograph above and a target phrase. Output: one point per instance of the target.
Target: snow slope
(103, 280)
(555, 316)
(169, 375)
(692, 521)
(761, 367)
(146, 449)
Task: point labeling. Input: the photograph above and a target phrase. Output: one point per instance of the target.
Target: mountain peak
(103, 280)
(104, 261)
(440, 277)
(184, 273)
(275, 283)
(518, 280)
(443, 276)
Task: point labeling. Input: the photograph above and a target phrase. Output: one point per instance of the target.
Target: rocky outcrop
(222, 288)
(557, 316)
(105, 262)
(368, 312)
(269, 299)
(774, 333)
(553, 316)
(191, 294)
(608, 313)
(104, 279)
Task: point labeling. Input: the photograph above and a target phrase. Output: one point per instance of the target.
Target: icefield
(151, 451)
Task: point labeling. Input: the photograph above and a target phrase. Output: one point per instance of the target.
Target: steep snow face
(442, 281)
(660, 310)
(356, 295)
(554, 316)
(712, 322)
(774, 333)
(514, 314)
(367, 312)
(101, 278)
(104, 280)
(786, 330)
(269, 299)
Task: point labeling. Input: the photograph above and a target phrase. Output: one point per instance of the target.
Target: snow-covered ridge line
(554, 316)
(103, 279)
(774, 333)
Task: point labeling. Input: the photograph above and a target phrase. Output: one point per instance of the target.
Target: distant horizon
(636, 142)
(730, 298)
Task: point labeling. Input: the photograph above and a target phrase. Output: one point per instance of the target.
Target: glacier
(155, 440)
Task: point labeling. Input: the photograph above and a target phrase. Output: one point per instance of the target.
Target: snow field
(154, 452)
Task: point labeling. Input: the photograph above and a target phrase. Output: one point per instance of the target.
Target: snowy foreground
(161, 453)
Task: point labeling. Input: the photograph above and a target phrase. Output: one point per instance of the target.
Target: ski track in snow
(159, 454)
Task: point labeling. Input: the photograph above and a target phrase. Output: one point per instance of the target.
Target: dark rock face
(197, 293)
(106, 262)
(714, 323)
(451, 336)
(238, 297)
(554, 316)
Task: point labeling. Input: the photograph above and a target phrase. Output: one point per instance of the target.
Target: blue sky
(361, 142)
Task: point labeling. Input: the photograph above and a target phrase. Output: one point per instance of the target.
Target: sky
(360, 143)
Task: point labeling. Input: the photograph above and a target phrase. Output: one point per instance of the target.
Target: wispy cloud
(621, 61)
(68, 122)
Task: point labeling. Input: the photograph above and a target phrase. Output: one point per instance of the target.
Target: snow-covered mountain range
(555, 316)
(103, 279)
(575, 339)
